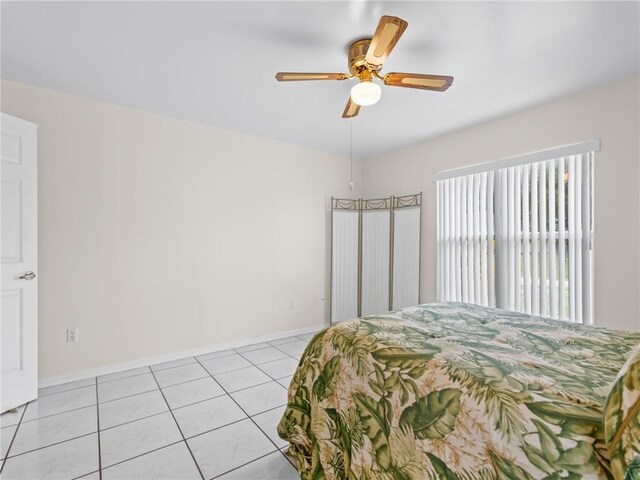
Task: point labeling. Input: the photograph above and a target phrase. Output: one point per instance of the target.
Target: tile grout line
(13, 438)
(274, 379)
(237, 350)
(105, 429)
(248, 416)
(284, 343)
(171, 366)
(179, 429)
(242, 354)
(221, 395)
(142, 454)
(258, 367)
(168, 445)
(180, 383)
(122, 378)
(98, 424)
(96, 382)
(54, 444)
(287, 353)
(127, 396)
(244, 465)
(216, 428)
(216, 396)
(59, 413)
(186, 381)
(230, 350)
(42, 395)
(85, 474)
(282, 453)
(162, 413)
(234, 370)
(269, 410)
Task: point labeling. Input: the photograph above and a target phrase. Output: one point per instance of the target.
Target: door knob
(28, 276)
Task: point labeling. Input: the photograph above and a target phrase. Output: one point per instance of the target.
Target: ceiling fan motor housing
(357, 52)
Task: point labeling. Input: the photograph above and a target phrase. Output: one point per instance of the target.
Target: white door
(18, 252)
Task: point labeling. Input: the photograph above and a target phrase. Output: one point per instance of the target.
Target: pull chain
(351, 185)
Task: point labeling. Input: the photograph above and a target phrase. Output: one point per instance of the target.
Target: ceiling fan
(366, 57)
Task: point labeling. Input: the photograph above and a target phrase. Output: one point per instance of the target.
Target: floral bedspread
(453, 391)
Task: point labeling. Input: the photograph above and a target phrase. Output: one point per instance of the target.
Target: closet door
(375, 260)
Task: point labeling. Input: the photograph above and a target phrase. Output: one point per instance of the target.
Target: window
(518, 234)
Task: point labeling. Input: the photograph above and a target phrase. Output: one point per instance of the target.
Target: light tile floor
(212, 416)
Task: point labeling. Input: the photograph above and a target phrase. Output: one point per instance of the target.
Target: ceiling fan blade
(389, 31)
(351, 110)
(439, 83)
(301, 76)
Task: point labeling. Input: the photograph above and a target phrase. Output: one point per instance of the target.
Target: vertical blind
(519, 237)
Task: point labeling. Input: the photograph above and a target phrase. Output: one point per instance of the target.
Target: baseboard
(143, 362)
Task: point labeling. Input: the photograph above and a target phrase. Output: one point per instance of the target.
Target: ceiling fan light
(365, 93)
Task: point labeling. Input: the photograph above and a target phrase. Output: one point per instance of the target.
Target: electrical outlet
(292, 305)
(72, 335)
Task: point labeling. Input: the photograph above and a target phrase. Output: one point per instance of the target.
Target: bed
(453, 391)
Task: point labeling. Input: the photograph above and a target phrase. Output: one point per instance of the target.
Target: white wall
(610, 113)
(157, 235)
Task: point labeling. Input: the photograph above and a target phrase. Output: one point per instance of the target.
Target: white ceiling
(214, 63)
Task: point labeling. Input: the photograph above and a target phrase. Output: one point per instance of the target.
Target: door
(18, 262)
